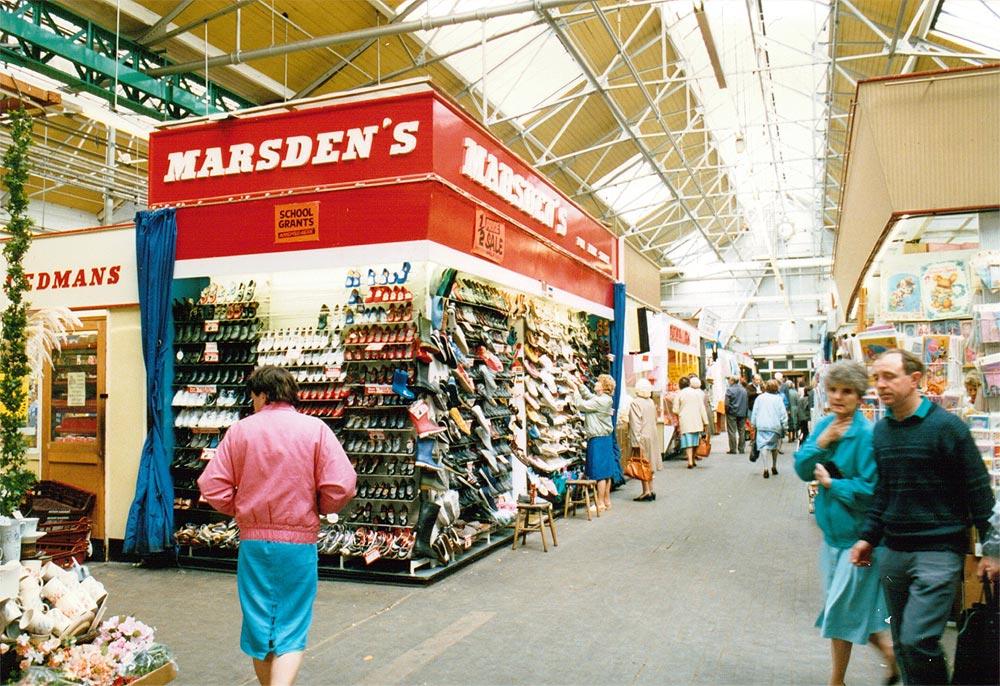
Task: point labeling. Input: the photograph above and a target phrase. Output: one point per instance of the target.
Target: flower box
(158, 677)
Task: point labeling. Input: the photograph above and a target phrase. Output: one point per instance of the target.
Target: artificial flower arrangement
(122, 652)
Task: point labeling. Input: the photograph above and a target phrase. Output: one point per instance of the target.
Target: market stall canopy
(923, 144)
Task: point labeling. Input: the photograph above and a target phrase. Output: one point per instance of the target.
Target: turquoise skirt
(690, 440)
(854, 605)
(277, 586)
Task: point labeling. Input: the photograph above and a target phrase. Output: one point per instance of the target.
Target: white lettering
(359, 143)
(269, 155)
(297, 151)
(212, 166)
(498, 178)
(403, 134)
(324, 147)
(293, 151)
(240, 158)
(180, 165)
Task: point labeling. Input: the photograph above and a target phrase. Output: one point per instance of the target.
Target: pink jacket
(276, 471)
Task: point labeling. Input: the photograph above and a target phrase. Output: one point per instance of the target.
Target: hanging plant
(15, 480)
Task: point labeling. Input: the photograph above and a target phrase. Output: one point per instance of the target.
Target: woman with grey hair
(838, 454)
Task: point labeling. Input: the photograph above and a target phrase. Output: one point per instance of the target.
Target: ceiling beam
(425, 24)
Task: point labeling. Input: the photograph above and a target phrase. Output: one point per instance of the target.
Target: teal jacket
(841, 509)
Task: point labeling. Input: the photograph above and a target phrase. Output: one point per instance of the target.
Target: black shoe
(643, 498)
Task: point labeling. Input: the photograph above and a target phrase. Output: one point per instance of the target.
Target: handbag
(638, 467)
(976, 658)
(704, 448)
(754, 452)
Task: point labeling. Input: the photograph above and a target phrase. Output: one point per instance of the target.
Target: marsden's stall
(386, 249)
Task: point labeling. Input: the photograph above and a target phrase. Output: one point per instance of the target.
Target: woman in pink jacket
(277, 471)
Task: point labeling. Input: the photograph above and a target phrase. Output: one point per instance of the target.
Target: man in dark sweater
(932, 484)
(736, 415)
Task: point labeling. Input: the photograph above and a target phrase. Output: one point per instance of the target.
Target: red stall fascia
(384, 167)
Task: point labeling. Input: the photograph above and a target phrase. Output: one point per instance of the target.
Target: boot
(425, 529)
(420, 416)
(399, 381)
(424, 380)
(425, 454)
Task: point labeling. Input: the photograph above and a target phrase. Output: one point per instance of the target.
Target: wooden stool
(523, 524)
(589, 489)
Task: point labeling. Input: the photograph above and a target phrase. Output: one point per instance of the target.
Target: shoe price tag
(376, 434)
(207, 454)
(211, 352)
(372, 555)
(377, 389)
(468, 542)
(207, 389)
(332, 372)
(211, 326)
(374, 346)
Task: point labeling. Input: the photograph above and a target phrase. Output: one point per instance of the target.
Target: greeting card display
(945, 290)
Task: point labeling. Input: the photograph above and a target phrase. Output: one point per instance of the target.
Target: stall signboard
(395, 165)
(709, 322)
(88, 268)
(682, 336)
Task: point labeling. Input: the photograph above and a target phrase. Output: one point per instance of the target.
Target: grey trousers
(734, 429)
(920, 590)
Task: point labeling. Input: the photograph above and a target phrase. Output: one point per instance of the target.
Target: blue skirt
(854, 604)
(600, 458)
(277, 586)
(691, 439)
(767, 440)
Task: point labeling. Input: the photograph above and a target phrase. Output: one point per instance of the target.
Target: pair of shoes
(644, 498)
(767, 475)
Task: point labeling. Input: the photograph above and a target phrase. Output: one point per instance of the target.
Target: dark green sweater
(932, 483)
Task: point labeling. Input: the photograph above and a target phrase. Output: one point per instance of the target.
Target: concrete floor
(713, 583)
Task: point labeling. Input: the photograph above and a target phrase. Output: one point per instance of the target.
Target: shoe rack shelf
(209, 379)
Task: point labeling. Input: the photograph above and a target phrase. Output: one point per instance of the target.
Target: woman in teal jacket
(838, 454)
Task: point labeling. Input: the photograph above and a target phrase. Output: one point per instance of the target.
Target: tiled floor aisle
(713, 583)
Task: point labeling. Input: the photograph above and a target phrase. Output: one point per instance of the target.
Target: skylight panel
(636, 191)
(518, 72)
(975, 23)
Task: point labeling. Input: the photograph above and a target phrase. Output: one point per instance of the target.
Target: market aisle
(713, 583)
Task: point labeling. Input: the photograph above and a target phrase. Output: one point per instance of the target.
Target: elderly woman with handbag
(642, 435)
(689, 406)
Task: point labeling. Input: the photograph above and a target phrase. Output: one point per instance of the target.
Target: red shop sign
(489, 238)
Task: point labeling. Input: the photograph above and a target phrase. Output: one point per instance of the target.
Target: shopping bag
(977, 660)
(638, 467)
(704, 448)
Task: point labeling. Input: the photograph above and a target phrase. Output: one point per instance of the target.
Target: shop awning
(920, 144)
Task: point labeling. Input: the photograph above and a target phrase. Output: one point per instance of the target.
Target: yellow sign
(296, 223)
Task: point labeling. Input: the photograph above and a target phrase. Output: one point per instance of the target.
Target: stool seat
(588, 489)
(534, 517)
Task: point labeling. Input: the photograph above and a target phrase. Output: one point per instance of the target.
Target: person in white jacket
(689, 406)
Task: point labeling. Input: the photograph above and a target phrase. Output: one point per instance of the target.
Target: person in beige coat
(689, 406)
(642, 430)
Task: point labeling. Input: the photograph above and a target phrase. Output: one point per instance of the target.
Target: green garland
(15, 480)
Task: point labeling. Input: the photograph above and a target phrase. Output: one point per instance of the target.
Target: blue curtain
(617, 369)
(150, 525)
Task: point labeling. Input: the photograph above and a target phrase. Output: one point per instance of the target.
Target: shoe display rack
(427, 391)
(216, 342)
(378, 343)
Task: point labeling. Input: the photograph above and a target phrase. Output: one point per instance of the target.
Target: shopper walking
(754, 389)
(736, 415)
(839, 457)
(791, 400)
(805, 403)
(597, 411)
(276, 472)
(932, 485)
(642, 431)
(689, 406)
(770, 419)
